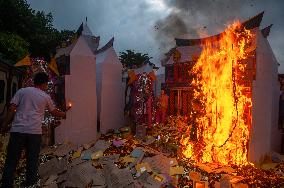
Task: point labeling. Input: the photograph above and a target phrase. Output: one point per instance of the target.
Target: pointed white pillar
(80, 125)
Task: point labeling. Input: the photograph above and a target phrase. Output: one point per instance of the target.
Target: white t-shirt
(31, 103)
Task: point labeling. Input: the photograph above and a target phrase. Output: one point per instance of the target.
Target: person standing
(162, 107)
(26, 111)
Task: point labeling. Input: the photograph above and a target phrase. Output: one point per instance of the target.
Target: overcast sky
(149, 26)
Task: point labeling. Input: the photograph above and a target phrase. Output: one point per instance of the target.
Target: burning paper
(222, 98)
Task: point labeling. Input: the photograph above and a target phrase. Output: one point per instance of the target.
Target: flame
(223, 131)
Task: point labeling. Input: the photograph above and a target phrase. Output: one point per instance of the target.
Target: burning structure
(227, 86)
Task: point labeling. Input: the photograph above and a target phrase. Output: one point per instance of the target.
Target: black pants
(19, 141)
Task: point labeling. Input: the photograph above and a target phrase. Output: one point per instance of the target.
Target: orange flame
(223, 133)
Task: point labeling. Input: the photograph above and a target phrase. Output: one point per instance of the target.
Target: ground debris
(122, 160)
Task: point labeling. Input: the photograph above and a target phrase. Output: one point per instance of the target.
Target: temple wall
(265, 135)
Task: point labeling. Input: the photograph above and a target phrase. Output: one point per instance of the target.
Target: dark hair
(40, 78)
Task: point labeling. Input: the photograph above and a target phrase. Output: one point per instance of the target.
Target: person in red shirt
(163, 100)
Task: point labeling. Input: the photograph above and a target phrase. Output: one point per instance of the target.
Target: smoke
(190, 17)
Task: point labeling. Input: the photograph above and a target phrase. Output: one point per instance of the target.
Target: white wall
(80, 88)
(110, 90)
(265, 136)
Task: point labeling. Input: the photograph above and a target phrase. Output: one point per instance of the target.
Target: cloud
(149, 26)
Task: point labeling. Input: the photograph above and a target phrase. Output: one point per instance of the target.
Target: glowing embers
(221, 102)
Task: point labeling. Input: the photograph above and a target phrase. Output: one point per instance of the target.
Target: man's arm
(8, 118)
(58, 113)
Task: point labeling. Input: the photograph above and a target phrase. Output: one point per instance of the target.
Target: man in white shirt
(27, 111)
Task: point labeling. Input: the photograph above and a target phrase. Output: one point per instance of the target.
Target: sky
(150, 26)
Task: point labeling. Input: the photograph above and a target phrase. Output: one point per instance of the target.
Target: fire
(222, 133)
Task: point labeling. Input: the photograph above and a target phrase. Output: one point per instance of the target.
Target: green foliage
(12, 46)
(17, 18)
(131, 59)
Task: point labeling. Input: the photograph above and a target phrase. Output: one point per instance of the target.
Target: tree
(12, 46)
(131, 59)
(35, 28)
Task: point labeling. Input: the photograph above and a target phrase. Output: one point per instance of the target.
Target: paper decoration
(132, 77)
(176, 56)
(53, 66)
(152, 76)
(24, 62)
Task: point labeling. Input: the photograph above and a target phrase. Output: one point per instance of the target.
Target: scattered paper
(159, 163)
(226, 169)
(176, 170)
(124, 129)
(142, 167)
(137, 152)
(86, 156)
(127, 159)
(102, 145)
(205, 168)
(52, 167)
(47, 151)
(269, 166)
(51, 180)
(200, 184)
(90, 144)
(173, 162)
(118, 143)
(63, 150)
(236, 179)
(195, 176)
(117, 177)
(76, 154)
(97, 155)
(240, 185)
(81, 175)
(158, 177)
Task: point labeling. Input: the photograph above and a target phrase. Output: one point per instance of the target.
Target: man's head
(162, 92)
(41, 80)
